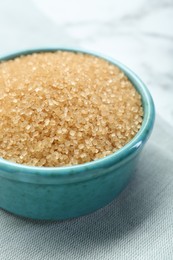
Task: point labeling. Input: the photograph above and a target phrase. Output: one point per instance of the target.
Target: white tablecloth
(137, 225)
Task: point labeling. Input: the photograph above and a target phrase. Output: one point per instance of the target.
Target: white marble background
(139, 33)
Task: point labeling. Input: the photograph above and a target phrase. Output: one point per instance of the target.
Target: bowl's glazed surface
(68, 192)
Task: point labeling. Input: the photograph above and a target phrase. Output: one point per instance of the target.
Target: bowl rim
(123, 153)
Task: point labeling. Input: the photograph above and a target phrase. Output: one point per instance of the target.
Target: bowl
(58, 193)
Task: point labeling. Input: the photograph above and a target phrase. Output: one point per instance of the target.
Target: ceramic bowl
(56, 193)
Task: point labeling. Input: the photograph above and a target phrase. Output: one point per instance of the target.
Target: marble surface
(137, 32)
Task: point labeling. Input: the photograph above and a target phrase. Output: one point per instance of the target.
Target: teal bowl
(57, 193)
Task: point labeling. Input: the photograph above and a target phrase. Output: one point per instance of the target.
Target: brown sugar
(65, 108)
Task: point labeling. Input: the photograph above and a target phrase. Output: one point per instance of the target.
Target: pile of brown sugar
(65, 108)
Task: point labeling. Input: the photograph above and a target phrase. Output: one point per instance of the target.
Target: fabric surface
(137, 225)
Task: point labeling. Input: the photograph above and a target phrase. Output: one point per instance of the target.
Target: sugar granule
(65, 108)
